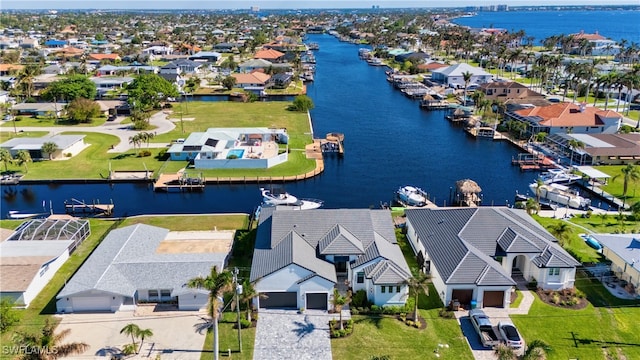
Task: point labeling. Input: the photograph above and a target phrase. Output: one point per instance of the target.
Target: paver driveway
(285, 334)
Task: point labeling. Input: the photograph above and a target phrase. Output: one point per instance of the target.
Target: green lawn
(94, 162)
(614, 186)
(4, 136)
(375, 336)
(576, 245)
(42, 121)
(41, 308)
(228, 336)
(586, 333)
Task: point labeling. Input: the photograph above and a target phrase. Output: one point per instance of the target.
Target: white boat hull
(561, 195)
(411, 196)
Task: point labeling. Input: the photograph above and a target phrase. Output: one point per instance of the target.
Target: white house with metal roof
(232, 148)
(143, 263)
(33, 254)
(623, 250)
(452, 76)
(473, 254)
(68, 146)
(300, 256)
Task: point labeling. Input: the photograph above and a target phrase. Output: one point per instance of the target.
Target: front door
(341, 264)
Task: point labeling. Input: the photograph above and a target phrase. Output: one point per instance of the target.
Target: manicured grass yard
(5, 135)
(228, 336)
(375, 336)
(42, 121)
(615, 186)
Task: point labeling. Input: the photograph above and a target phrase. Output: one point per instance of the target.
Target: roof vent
(441, 221)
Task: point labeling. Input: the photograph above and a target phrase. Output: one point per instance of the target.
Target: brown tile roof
(623, 145)
(251, 78)
(104, 56)
(17, 272)
(568, 114)
(268, 54)
(591, 37)
(9, 67)
(431, 66)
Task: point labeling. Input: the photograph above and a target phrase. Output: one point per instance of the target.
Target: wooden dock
(333, 142)
(179, 182)
(529, 162)
(79, 206)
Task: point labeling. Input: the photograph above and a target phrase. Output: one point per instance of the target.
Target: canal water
(389, 142)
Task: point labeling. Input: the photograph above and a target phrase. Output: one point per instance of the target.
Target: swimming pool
(237, 152)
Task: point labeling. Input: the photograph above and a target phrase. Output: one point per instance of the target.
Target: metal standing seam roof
(282, 234)
(627, 246)
(126, 260)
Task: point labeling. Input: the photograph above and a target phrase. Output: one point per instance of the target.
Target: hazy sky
(282, 4)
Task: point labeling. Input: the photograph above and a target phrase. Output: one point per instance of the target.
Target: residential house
(301, 256)
(623, 250)
(143, 263)
(39, 109)
(67, 146)
(598, 44)
(452, 76)
(29, 43)
(475, 255)
(280, 80)
(33, 254)
(106, 84)
(597, 149)
(186, 66)
(10, 69)
(206, 56)
(271, 55)
(104, 57)
(511, 91)
(251, 81)
(55, 43)
(226, 47)
(232, 148)
(567, 117)
(253, 65)
(158, 50)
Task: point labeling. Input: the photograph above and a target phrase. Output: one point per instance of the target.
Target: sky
(283, 4)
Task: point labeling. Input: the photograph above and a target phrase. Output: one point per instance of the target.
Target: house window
(360, 278)
(398, 288)
(383, 289)
(165, 293)
(153, 294)
(554, 271)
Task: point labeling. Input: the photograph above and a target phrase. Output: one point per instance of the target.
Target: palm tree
(217, 283)
(539, 184)
(339, 302)
(532, 206)
(46, 344)
(22, 158)
(504, 352)
(249, 292)
(132, 330)
(466, 76)
(575, 145)
(536, 350)
(143, 334)
(135, 140)
(629, 173)
(49, 148)
(5, 158)
(418, 283)
(562, 231)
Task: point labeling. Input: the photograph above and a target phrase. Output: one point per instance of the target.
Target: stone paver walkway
(285, 334)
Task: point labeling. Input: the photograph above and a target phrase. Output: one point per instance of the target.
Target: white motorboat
(559, 176)
(285, 201)
(561, 195)
(15, 214)
(411, 196)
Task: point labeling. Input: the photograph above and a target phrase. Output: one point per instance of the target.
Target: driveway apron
(285, 334)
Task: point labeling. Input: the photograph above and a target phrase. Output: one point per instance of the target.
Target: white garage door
(93, 303)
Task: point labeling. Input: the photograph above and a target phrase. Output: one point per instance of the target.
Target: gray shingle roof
(282, 234)
(126, 261)
(462, 243)
(386, 272)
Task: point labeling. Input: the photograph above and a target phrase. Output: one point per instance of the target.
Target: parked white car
(510, 334)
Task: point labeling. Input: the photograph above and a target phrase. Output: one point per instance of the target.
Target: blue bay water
(389, 142)
(613, 24)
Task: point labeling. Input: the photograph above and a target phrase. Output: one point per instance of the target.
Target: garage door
(317, 301)
(462, 295)
(493, 298)
(93, 303)
(279, 300)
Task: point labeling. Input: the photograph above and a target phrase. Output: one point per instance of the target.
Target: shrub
(244, 323)
(403, 317)
(8, 315)
(446, 313)
(355, 311)
(68, 155)
(409, 322)
(129, 349)
(555, 299)
(359, 299)
(144, 153)
(417, 324)
(375, 309)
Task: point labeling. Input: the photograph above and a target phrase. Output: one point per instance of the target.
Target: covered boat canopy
(592, 172)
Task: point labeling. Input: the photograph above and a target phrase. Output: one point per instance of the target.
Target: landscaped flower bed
(567, 298)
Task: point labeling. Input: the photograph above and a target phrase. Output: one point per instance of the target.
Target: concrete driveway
(174, 333)
(285, 334)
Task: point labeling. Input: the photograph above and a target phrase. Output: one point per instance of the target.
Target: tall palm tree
(629, 173)
(539, 184)
(590, 72)
(249, 292)
(339, 302)
(23, 157)
(562, 231)
(574, 145)
(132, 330)
(49, 148)
(5, 158)
(417, 283)
(46, 345)
(143, 334)
(217, 283)
(466, 76)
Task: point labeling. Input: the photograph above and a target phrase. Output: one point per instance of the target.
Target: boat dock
(333, 143)
(78, 206)
(179, 182)
(528, 162)
(601, 194)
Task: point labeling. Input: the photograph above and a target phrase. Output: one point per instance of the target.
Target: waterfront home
(301, 256)
(67, 146)
(476, 255)
(232, 148)
(566, 117)
(33, 254)
(598, 45)
(451, 76)
(262, 65)
(104, 84)
(103, 58)
(511, 91)
(226, 47)
(271, 55)
(252, 80)
(144, 263)
(206, 56)
(280, 80)
(598, 149)
(183, 66)
(623, 250)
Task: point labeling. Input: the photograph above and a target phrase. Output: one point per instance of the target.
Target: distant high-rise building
(255, 8)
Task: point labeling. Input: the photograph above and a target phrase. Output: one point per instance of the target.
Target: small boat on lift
(411, 196)
(559, 176)
(285, 201)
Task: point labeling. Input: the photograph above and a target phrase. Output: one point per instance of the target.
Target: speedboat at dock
(559, 176)
(411, 196)
(286, 201)
(561, 195)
